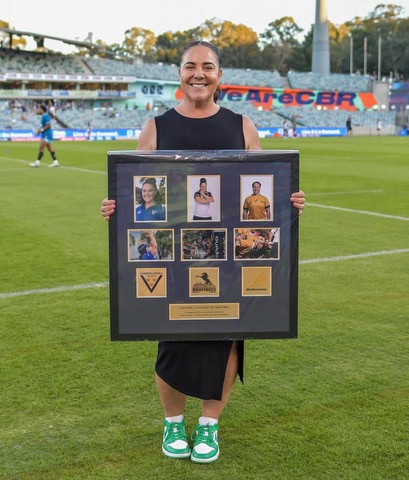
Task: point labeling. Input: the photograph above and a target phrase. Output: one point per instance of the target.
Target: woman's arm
(251, 137)
(203, 199)
(147, 137)
(146, 141)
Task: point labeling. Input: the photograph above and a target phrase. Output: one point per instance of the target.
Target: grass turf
(331, 404)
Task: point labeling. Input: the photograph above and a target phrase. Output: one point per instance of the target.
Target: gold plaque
(151, 283)
(204, 311)
(256, 282)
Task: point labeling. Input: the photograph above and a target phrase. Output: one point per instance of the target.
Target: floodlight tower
(320, 44)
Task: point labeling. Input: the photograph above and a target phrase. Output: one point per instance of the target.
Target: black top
(198, 368)
(222, 131)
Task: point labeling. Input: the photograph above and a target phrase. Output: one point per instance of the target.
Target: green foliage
(283, 45)
(331, 404)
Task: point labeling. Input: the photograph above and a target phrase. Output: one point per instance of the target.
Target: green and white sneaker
(206, 444)
(174, 442)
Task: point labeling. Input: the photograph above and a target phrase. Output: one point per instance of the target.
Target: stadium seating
(332, 82)
(84, 114)
(310, 117)
(33, 62)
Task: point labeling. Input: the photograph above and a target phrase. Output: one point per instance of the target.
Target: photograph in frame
(200, 244)
(257, 194)
(151, 244)
(150, 198)
(203, 198)
(257, 243)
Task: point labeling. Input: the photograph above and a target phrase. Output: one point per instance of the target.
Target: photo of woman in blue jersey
(150, 206)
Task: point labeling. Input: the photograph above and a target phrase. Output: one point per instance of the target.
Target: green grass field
(332, 404)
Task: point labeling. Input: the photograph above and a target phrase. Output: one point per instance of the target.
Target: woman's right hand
(107, 208)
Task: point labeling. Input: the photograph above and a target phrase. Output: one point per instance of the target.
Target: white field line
(105, 284)
(39, 291)
(362, 212)
(357, 256)
(346, 192)
(45, 165)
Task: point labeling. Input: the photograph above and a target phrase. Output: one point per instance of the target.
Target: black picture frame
(174, 298)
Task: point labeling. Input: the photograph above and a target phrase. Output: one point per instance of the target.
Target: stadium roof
(39, 38)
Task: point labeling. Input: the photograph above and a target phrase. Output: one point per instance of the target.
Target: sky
(108, 21)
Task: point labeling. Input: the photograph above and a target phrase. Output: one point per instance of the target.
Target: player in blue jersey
(46, 138)
(150, 209)
(148, 251)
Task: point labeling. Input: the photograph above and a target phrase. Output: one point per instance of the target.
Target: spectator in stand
(46, 138)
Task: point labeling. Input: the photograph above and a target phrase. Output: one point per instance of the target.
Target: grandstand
(109, 93)
(340, 82)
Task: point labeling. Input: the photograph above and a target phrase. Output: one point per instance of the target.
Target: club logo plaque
(151, 283)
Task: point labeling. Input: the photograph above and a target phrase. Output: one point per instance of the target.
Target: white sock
(208, 421)
(176, 419)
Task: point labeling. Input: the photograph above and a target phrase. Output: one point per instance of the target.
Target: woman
(203, 199)
(150, 209)
(203, 369)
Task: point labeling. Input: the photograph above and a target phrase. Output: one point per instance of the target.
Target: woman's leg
(173, 401)
(214, 408)
(206, 445)
(174, 442)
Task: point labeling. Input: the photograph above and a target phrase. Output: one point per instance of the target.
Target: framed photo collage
(203, 245)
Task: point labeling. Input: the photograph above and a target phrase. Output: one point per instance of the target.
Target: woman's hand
(107, 208)
(298, 200)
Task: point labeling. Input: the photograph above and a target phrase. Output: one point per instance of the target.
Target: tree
(169, 44)
(280, 42)
(238, 44)
(17, 42)
(139, 42)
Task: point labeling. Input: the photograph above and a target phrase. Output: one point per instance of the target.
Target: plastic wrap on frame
(251, 297)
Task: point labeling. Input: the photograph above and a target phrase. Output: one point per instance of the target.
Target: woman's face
(203, 186)
(148, 194)
(199, 74)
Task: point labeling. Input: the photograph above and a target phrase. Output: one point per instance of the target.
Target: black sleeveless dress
(197, 368)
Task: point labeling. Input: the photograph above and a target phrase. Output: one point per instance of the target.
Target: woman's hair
(202, 180)
(214, 49)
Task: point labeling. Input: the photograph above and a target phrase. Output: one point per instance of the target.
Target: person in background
(203, 369)
(46, 138)
(349, 126)
(378, 127)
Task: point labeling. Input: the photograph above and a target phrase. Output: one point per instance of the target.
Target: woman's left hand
(298, 200)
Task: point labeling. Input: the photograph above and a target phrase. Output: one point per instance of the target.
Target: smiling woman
(202, 369)
(150, 208)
